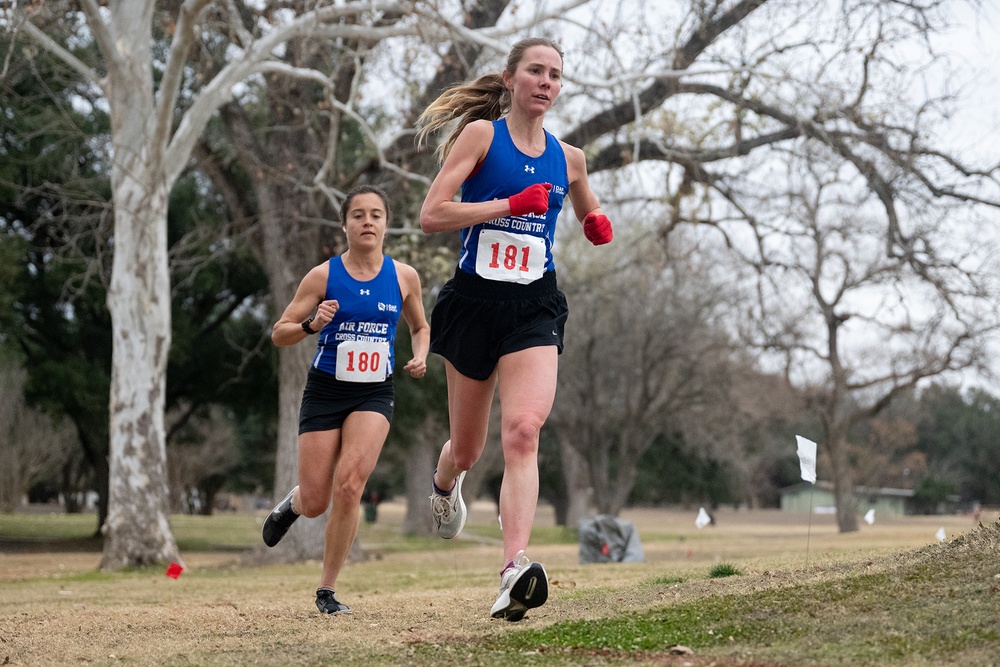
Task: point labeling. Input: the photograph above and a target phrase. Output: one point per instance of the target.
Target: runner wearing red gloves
(499, 322)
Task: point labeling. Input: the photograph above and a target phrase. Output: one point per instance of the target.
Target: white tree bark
(137, 529)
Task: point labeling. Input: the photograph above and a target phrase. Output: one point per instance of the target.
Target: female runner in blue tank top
(499, 321)
(353, 302)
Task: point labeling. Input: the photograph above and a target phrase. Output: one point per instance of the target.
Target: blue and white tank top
(513, 248)
(368, 312)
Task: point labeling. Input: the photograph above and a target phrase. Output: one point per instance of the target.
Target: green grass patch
(936, 607)
(723, 570)
(237, 532)
(47, 526)
(220, 532)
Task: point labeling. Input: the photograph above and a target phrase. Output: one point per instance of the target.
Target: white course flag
(703, 518)
(807, 458)
(941, 535)
(870, 516)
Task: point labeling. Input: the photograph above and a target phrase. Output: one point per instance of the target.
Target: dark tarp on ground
(605, 539)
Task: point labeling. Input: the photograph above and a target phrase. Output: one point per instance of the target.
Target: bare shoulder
(475, 138)
(576, 161)
(404, 270)
(573, 154)
(407, 275)
(318, 275)
(481, 128)
(312, 287)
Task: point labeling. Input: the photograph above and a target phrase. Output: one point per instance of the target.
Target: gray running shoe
(326, 602)
(277, 523)
(523, 586)
(449, 511)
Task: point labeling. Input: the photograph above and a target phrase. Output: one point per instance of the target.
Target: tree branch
(660, 90)
(58, 51)
(184, 36)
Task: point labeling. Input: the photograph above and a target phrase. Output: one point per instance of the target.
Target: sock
(437, 489)
(507, 567)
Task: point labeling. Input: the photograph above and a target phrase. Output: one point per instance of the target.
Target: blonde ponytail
(486, 98)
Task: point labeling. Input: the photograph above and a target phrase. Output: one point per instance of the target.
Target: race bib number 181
(362, 361)
(515, 258)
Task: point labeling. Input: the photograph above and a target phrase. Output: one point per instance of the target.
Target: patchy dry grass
(887, 595)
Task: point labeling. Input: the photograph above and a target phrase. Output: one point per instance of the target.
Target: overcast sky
(976, 49)
(976, 129)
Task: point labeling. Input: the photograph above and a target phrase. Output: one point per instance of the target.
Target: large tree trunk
(421, 458)
(100, 466)
(137, 527)
(288, 252)
(576, 477)
(843, 484)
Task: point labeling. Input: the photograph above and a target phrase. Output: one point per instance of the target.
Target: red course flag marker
(174, 570)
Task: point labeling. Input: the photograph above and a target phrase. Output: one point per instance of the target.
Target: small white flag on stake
(703, 518)
(941, 535)
(870, 516)
(807, 458)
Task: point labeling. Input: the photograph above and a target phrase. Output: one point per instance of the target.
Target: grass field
(889, 594)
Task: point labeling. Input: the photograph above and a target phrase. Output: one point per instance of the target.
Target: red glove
(597, 228)
(533, 199)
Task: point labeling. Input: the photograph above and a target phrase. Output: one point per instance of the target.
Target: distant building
(885, 501)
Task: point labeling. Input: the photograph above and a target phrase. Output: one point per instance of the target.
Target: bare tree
(888, 455)
(748, 430)
(754, 94)
(201, 451)
(648, 345)
(854, 325)
(34, 446)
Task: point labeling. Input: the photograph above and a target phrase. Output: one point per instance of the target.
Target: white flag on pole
(703, 518)
(807, 458)
(870, 516)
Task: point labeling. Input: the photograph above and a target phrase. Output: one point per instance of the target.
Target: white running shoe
(523, 586)
(449, 511)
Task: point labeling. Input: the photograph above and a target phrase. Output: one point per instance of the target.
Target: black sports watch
(307, 328)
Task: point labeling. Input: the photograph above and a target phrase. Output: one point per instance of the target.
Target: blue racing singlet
(368, 312)
(513, 248)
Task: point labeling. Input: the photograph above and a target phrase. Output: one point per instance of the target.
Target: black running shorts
(476, 321)
(327, 401)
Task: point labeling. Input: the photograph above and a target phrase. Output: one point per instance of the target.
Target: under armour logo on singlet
(528, 169)
(365, 292)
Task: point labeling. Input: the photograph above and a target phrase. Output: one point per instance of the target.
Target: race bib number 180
(362, 361)
(515, 258)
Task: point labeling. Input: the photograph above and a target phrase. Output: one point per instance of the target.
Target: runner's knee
(311, 505)
(520, 436)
